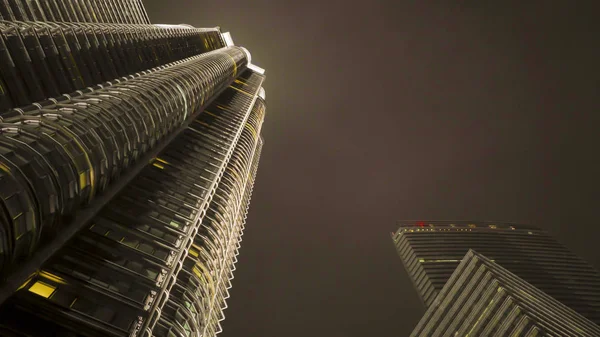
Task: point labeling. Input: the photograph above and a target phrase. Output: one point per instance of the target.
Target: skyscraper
(483, 299)
(432, 250)
(128, 155)
(99, 11)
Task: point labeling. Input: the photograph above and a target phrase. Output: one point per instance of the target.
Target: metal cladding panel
(127, 273)
(431, 251)
(89, 11)
(58, 157)
(198, 296)
(482, 298)
(42, 60)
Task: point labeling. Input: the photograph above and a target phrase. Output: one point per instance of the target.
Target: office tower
(482, 298)
(432, 250)
(128, 155)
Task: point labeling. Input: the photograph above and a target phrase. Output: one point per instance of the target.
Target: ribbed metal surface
(127, 273)
(75, 148)
(239, 208)
(41, 60)
(483, 299)
(128, 154)
(96, 11)
(431, 251)
(197, 300)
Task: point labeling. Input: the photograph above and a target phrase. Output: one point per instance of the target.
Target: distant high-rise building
(128, 155)
(481, 298)
(432, 250)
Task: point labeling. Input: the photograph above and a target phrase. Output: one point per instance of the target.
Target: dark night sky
(402, 110)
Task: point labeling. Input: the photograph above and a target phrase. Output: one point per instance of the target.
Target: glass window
(42, 289)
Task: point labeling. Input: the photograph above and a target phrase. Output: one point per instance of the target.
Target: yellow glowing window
(42, 289)
(197, 272)
(159, 166)
(4, 168)
(162, 161)
(83, 181)
(193, 252)
(52, 277)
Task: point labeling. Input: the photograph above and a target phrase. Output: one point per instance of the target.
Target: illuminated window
(493, 226)
(162, 161)
(472, 226)
(83, 180)
(42, 289)
(52, 277)
(197, 272)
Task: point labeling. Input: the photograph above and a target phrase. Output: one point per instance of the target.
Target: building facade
(128, 155)
(481, 298)
(96, 11)
(432, 250)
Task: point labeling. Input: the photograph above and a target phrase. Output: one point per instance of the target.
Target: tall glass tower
(128, 155)
(432, 250)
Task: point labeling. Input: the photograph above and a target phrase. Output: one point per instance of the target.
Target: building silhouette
(128, 155)
(482, 298)
(432, 250)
